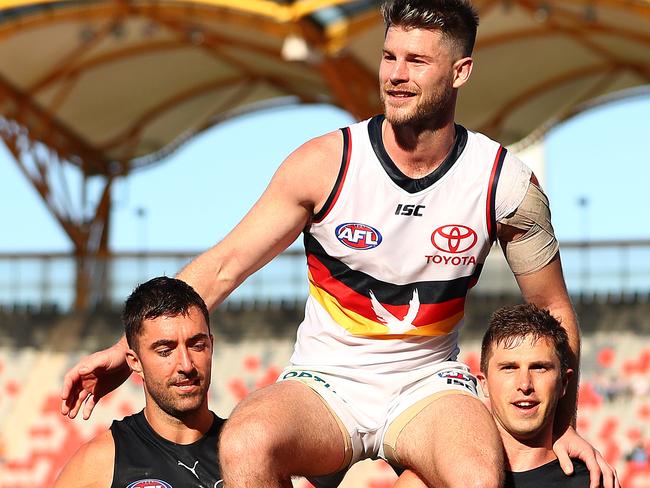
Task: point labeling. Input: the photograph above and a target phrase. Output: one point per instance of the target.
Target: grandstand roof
(114, 85)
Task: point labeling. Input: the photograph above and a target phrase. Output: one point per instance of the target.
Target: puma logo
(192, 469)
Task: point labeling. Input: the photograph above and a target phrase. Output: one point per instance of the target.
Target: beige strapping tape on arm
(535, 249)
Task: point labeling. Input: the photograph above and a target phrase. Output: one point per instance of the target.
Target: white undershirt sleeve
(512, 185)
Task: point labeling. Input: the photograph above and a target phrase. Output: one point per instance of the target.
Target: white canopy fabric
(115, 85)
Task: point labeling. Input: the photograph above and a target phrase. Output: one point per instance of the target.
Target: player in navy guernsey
(173, 441)
(525, 359)
(398, 214)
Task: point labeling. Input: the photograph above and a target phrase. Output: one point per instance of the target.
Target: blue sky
(192, 199)
(602, 155)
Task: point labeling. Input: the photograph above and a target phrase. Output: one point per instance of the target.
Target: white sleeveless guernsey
(391, 259)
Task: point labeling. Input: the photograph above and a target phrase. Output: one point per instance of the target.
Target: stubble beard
(431, 112)
(178, 405)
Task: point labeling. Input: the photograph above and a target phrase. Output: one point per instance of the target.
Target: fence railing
(48, 279)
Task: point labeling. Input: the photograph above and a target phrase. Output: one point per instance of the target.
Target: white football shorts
(373, 408)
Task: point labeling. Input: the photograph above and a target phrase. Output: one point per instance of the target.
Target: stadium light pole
(583, 204)
(141, 213)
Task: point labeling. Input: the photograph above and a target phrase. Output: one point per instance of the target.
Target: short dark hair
(159, 297)
(510, 325)
(456, 20)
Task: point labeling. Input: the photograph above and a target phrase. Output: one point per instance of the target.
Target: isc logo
(358, 236)
(408, 210)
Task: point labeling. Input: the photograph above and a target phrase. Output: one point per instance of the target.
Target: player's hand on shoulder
(571, 445)
(93, 377)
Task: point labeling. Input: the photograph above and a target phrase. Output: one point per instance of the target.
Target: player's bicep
(299, 185)
(271, 225)
(546, 288)
(527, 236)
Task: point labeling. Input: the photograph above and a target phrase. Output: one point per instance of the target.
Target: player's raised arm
(532, 251)
(300, 186)
(529, 244)
(546, 289)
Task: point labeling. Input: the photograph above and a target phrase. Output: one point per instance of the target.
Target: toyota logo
(454, 238)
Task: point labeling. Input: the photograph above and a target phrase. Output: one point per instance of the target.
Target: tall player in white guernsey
(398, 215)
(392, 258)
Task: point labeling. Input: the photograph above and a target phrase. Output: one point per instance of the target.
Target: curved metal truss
(99, 88)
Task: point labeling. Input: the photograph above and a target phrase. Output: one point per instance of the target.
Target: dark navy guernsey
(550, 475)
(143, 459)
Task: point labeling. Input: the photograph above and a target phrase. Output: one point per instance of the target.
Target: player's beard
(432, 111)
(178, 404)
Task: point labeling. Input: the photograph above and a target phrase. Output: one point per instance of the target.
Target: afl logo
(149, 484)
(454, 238)
(358, 236)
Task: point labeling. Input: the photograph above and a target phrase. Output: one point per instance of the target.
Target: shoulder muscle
(91, 466)
(315, 165)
